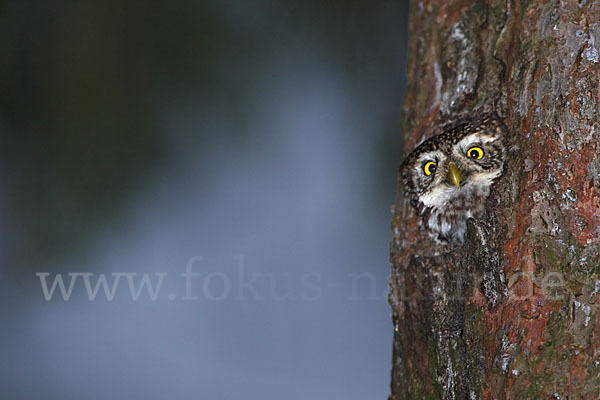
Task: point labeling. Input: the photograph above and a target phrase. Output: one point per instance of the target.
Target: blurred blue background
(254, 143)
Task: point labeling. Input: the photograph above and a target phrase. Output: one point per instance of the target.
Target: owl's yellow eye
(475, 152)
(429, 167)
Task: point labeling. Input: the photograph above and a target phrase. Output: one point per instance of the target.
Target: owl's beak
(454, 174)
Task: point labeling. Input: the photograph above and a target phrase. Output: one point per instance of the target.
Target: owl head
(448, 177)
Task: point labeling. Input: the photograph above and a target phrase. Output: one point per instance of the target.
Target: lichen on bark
(514, 311)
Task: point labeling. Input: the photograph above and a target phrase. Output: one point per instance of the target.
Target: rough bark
(513, 312)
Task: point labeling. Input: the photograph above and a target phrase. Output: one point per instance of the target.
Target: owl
(448, 177)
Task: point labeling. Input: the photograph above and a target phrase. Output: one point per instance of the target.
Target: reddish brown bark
(514, 312)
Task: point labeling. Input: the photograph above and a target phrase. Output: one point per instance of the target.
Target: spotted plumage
(448, 177)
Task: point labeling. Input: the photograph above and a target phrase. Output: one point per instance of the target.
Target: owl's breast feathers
(447, 221)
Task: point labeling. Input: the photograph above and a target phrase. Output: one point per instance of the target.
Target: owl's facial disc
(448, 177)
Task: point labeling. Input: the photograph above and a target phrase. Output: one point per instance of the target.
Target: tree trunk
(512, 313)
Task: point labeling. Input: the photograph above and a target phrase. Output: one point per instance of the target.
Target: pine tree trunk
(513, 313)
